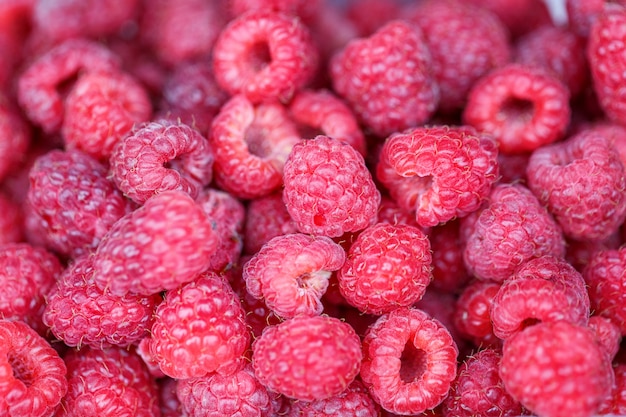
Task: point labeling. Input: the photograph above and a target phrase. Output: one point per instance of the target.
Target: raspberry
(387, 78)
(449, 272)
(409, 361)
(439, 172)
(583, 13)
(608, 334)
(556, 369)
(80, 313)
(15, 138)
(471, 314)
(291, 273)
(353, 401)
(441, 306)
(581, 181)
(543, 289)
(512, 167)
(478, 389)
(266, 218)
(251, 145)
(307, 358)
(11, 221)
(168, 399)
(264, 55)
(112, 382)
(160, 156)
(328, 189)
(466, 42)
(522, 107)
(615, 404)
(143, 350)
(388, 266)
(520, 16)
(511, 229)
(614, 132)
(76, 204)
(390, 212)
(166, 242)
(303, 8)
(370, 15)
(200, 328)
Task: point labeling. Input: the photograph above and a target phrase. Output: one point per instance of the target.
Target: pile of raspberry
(264, 208)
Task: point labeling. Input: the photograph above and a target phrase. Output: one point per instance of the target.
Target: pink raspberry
(519, 16)
(441, 306)
(370, 15)
(291, 273)
(388, 266)
(582, 14)
(15, 138)
(387, 78)
(12, 221)
(307, 358)
(511, 229)
(449, 272)
(302, 8)
(166, 242)
(582, 183)
(608, 334)
(522, 107)
(556, 369)
(390, 212)
(472, 316)
(143, 350)
(439, 172)
(328, 190)
(353, 401)
(409, 361)
(266, 217)
(160, 156)
(579, 253)
(615, 403)
(200, 328)
(264, 55)
(168, 399)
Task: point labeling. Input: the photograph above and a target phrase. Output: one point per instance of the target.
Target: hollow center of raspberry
(413, 363)
(21, 370)
(259, 56)
(517, 110)
(315, 280)
(258, 144)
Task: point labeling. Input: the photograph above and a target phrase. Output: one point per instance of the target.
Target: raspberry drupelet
(15, 138)
(353, 401)
(471, 313)
(582, 14)
(616, 401)
(608, 333)
(266, 218)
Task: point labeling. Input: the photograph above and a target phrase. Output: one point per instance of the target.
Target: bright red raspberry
(522, 107)
(439, 172)
(409, 361)
(479, 391)
(328, 190)
(12, 221)
(291, 273)
(160, 156)
(76, 204)
(200, 328)
(164, 243)
(251, 144)
(15, 138)
(307, 358)
(608, 333)
(264, 55)
(556, 369)
(388, 266)
(109, 382)
(511, 229)
(465, 42)
(582, 14)
(582, 182)
(33, 375)
(471, 314)
(449, 272)
(615, 403)
(519, 16)
(41, 88)
(266, 218)
(387, 78)
(353, 401)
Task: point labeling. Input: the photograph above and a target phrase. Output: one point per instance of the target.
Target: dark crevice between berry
(309, 132)
(531, 321)
(413, 363)
(21, 371)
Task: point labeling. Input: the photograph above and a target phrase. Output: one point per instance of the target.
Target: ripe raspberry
(441, 306)
(291, 273)
(264, 55)
(512, 167)
(615, 404)
(579, 253)
(511, 229)
(12, 221)
(478, 389)
(109, 382)
(168, 399)
(471, 314)
(387, 78)
(15, 138)
(522, 107)
(160, 156)
(266, 217)
(556, 369)
(608, 334)
(409, 361)
(328, 190)
(615, 133)
(370, 15)
(582, 183)
(519, 16)
(75, 202)
(200, 328)
(439, 172)
(302, 8)
(251, 145)
(307, 358)
(449, 272)
(582, 14)
(143, 350)
(166, 242)
(388, 266)
(353, 401)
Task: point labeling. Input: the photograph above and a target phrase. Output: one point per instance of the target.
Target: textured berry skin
(439, 172)
(168, 399)
(387, 78)
(160, 156)
(291, 273)
(388, 266)
(522, 107)
(471, 316)
(166, 242)
(264, 55)
(449, 272)
(582, 14)
(511, 229)
(307, 358)
(608, 334)
(545, 289)
(33, 375)
(556, 369)
(353, 401)
(266, 218)
(304, 8)
(582, 182)
(200, 328)
(328, 189)
(520, 16)
(479, 391)
(409, 361)
(616, 402)
(12, 221)
(76, 204)
(109, 382)
(79, 313)
(15, 138)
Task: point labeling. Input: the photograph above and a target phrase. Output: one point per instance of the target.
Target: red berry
(302, 8)
(520, 16)
(13, 220)
(266, 217)
(449, 272)
(353, 401)
(609, 334)
(168, 400)
(15, 138)
(582, 14)
(615, 404)
(471, 315)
